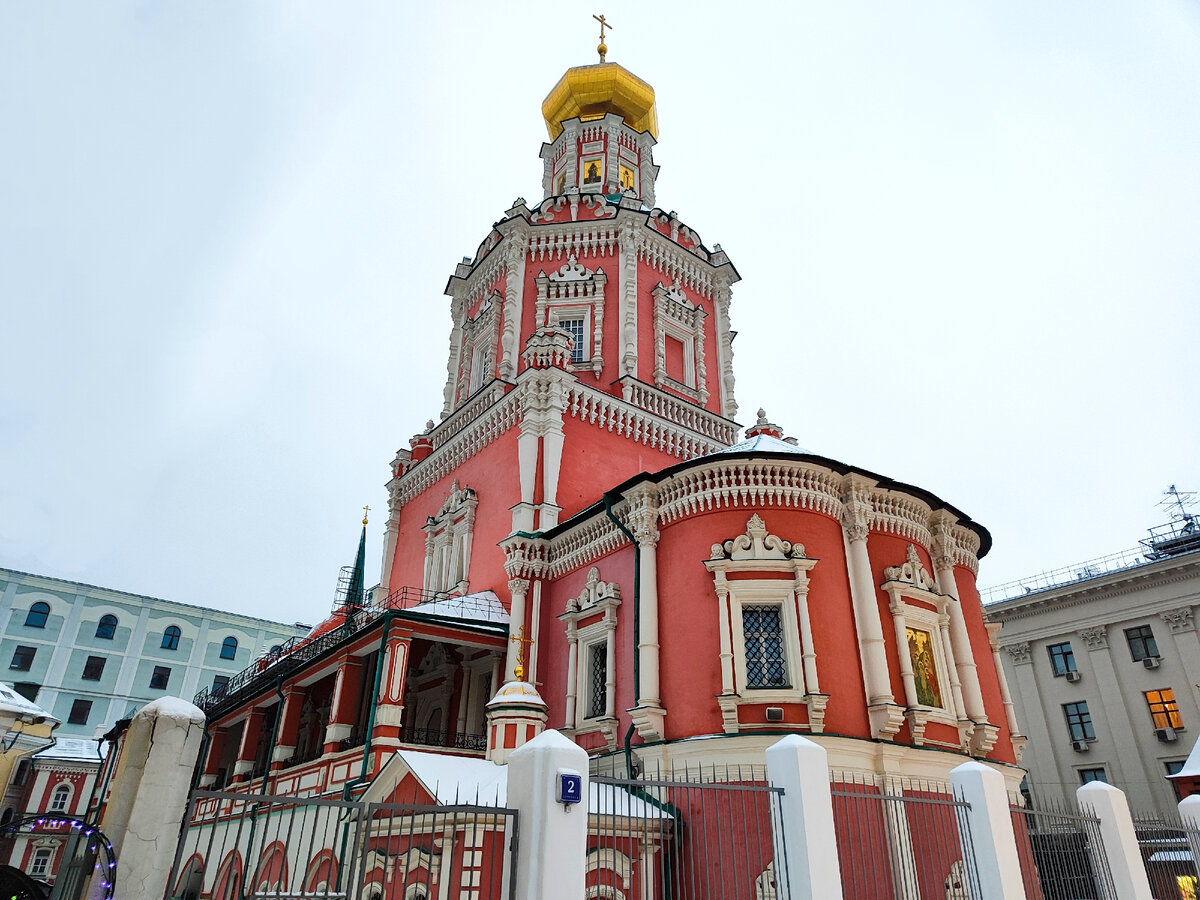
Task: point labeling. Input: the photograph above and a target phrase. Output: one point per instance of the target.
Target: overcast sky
(967, 235)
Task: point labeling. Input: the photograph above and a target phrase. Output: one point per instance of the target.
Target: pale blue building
(92, 655)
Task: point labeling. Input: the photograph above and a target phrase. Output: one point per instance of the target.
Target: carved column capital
(643, 515)
(856, 507)
(1179, 620)
(1095, 638)
(1019, 653)
(518, 586)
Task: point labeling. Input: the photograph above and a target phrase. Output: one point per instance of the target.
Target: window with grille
(22, 659)
(80, 710)
(1087, 776)
(1163, 709)
(1062, 660)
(1079, 721)
(575, 328)
(93, 669)
(1141, 642)
(597, 680)
(762, 633)
(159, 677)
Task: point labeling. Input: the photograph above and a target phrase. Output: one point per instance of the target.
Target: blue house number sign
(570, 787)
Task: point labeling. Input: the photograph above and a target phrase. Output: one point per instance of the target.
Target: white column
(517, 587)
(648, 618)
(960, 639)
(1010, 716)
(991, 831)
(807, 839)
(1120, 839)
(726, 642)
(572, 671)
(552, 852)
(956, 687)
(808, 651)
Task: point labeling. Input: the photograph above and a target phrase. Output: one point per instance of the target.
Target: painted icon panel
(920, 649)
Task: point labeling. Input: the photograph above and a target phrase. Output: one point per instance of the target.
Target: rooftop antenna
(1182, 533)
(1176, 502)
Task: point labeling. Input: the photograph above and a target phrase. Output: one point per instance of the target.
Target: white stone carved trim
(548, 347)
(757, 543)
(1179, 621)
(448, 536)
(1019, 652)
(912, 573)
(563, 240)
(676, 263)
(670, 407)
(901, 514)
(856, 506)
(482, 280)
(734, 483)
(575, 291)
(616, 415)
(1095, 638)
(525, 557)
(593, 592)
(677, 317)
(585, 543)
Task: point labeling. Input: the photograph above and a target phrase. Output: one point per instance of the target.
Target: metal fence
(1170, 848)
(701, 834)
(902, 838)
(238, 846)
(1061, 853)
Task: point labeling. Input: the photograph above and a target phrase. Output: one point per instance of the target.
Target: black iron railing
(309, 755)
(430, 737)
(356, 739)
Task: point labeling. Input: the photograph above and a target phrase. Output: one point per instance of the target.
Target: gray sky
(967, 236)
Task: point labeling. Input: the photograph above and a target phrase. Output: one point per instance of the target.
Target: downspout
(637, 630)
(362, 775)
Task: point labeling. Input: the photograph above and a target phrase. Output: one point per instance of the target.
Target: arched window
(60, 798)
(37, 615)
(229, 648)
(170, 639)
(107, 628)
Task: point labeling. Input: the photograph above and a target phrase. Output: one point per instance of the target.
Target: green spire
(354, 594)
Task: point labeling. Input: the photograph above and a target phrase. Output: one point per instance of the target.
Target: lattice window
(598, 679)
(762, 630)
(575, 328)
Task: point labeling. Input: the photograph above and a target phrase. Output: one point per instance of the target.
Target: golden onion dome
(590, 92)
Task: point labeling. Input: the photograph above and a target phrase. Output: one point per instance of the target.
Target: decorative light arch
(106, 857)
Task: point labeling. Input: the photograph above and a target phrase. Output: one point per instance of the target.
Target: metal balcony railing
(430, 737)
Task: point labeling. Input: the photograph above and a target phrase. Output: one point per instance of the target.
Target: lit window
(107, 628)
(171, 636)
(762, 631)
(37, 615)
(39, 866)
(80, 710)
(1087, 776)
(229, 648)
(160, 677)
(1141, 642)
(1079, 721)
(58, 802)
(93, 669)
(1163, 709)
(22, 659)
(574, 327)
(1062, 660)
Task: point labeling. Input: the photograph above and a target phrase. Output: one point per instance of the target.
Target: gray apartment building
(93, 655)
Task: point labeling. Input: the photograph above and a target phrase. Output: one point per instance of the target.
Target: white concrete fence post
(807, 839)
(1189, 815)
(992, 837)
(149, 794)
(552, 849)
(1120, 839)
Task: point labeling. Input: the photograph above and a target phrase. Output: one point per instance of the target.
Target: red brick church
(583, 521)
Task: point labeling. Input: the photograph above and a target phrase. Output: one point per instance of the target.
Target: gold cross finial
(521, 641)
(602, 49)
(366, 509)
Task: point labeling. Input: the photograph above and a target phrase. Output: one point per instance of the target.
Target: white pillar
(990, 821)
(552, 852)
(517, 588)
(1120, 839)
(807, 839)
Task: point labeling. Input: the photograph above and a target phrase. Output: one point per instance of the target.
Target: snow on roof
(85, 749)
(482, 606)
(466, 779)
(1191, 768)
(13, 703)
(762, 443)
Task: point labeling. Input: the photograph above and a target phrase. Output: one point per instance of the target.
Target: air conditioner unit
(1151, 662)
(1080, 746)
(774, 713)
(1073, 677)
(1166, 734)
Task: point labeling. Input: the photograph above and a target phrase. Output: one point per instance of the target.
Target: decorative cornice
(731, 483)
(856, 510)
(757, 543)
(642, 514)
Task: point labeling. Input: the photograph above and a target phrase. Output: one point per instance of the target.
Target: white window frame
(558, 314)
(448, 537)
(43, 855)
(597, 606)
(782, 569)
(55, 794)
(678, 317)
(575, 292)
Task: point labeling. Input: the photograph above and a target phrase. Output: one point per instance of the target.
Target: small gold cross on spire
(602, 49)
(366, 509)
(521, 641)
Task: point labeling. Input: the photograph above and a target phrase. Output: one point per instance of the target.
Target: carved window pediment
(448, 541)
(572, 299)
(757, 544)
(678, 318)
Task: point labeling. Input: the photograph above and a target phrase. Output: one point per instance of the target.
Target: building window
(448, 541)
(37, 615)
(1079, 721)
(762, 631)
(1141, 642)
(60, 798)
(93, 669)
(574, 327)
(159, 678)
(1163, 709)
(80, 710)
(22, 659)
(1062, 660)
(39, 866)
(229, 648)
(27, 689)
(1087, 776)
(107, 628)
(171, 636)
(597, 679)
(1174, 767)
(23, 768)
(220, 683)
